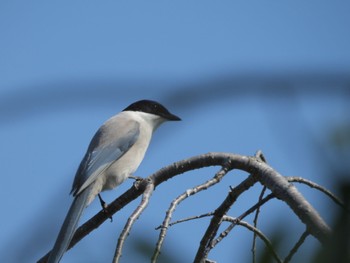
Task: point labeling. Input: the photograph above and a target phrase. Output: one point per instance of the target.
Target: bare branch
(261, 156)
(296, 247)
(318, 187)
(242, 216)
(234, 221)
(216, 220)
(289, 194)
(159, 177)
(191, 218)
(164, 227)
(257, 232)
(255, 221)
(131, 220)
(260, 171)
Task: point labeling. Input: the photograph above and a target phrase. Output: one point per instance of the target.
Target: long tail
(69, 226)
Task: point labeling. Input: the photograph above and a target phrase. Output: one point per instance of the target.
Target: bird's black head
(152, 107)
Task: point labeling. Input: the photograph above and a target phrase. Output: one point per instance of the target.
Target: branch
(164, 227)
(252, 165)
(296, 247)
(159, 177)
(191, 218)
(135, 215)
(97, 220)
(289, 194)
(318, 187)
(257, 232)
(217, 218)
(206, 244)
(242, 216)
(255, 221)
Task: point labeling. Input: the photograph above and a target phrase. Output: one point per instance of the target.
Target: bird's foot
(105, 208)
(137, 179)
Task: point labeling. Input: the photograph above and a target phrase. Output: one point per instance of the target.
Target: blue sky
(243, 76)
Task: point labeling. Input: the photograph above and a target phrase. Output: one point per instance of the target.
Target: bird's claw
(137, 179)
(105, 208)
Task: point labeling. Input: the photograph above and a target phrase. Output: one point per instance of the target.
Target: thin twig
(296, 247)
(261, 156)
(233, 222)
(131, 220)
(224, 233)
(245, 214)
(257, 232)
(255, 222)
(191, 218)
(318, 187)
(164, 227)
(205, 243)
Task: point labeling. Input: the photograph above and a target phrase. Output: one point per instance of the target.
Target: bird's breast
(125, 166)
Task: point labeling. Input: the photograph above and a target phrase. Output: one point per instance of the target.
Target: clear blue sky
(243, 75)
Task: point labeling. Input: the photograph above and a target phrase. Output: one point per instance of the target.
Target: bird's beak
(172, 117)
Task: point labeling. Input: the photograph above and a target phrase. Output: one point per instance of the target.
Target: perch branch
(252, 165)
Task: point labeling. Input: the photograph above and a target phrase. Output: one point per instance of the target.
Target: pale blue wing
(109, 144)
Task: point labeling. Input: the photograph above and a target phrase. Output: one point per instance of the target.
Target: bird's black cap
(153, 107)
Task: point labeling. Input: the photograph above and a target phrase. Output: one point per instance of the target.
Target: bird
(114, 153)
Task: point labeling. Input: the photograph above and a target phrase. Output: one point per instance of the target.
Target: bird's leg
(105, 207)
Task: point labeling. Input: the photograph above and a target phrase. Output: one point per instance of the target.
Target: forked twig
(224, 233)
(246, 213)
(205, 244)
(257, 232)
(166, 222)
